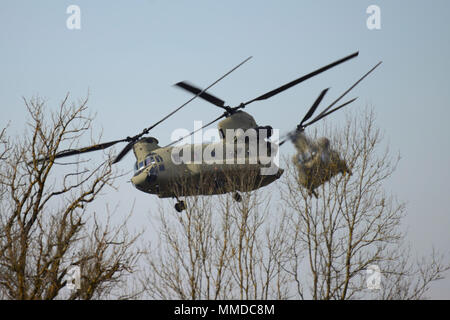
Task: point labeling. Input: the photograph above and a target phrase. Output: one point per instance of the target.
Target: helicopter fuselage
(316, 162)
(164, 173)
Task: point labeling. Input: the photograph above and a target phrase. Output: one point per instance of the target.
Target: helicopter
(156, 170)
(315, 160)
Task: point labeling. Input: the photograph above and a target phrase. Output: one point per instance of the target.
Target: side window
(141, 164)
(147, 161)
(161, 167)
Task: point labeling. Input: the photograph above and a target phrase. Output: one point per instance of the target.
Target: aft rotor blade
(301, 79)
(289, 135)
(145, 131)
(190, 134)
(328, 113)
(124, 152)
(314, 106)
(347, 91)
(201, 93)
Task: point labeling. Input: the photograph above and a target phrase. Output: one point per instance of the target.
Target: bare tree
(3, 144)
(294, 246)
(353, 225)
(218, 249)
(46, 226)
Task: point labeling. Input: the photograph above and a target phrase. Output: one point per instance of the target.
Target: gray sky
(129, 53)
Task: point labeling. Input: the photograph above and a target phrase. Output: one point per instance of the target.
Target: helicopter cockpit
(153, 160)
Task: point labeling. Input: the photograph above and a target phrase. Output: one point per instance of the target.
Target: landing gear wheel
(180, 206)
(237, 197)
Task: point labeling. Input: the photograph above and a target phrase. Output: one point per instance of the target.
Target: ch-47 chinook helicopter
(157, 173)
(316, 161)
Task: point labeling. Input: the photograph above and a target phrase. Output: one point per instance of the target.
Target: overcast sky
(128, 54)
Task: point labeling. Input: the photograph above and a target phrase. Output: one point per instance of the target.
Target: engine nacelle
(239, 120)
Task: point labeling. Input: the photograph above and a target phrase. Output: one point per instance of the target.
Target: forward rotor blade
(71, 152)
(124, 152)
(328, 113)
(301, 79)
(347, 91)
(202, 94)
(314, 106)
(145, 131)
(190, 134)
(132, 140)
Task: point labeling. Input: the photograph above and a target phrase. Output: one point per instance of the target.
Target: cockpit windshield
(139, 166)
(152, 160)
